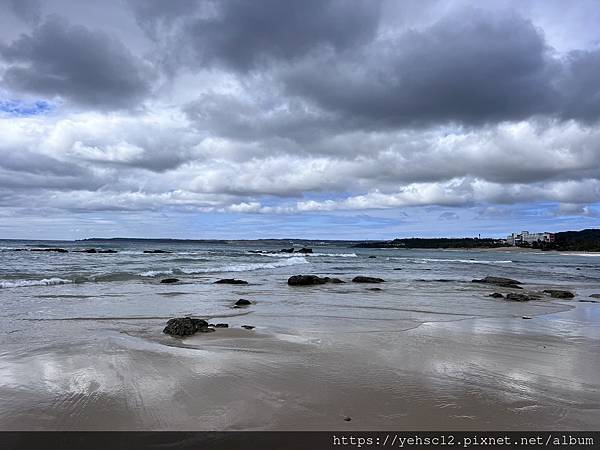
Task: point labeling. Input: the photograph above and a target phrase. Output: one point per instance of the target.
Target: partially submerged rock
(513, 297)
(304, 250)
(230, 281)
(55, 250)
(157, 251)
(372, 257)
(595, 296)
(307, 280)
(287, 250)
(107, 251)
(248, 327)
(186, 326)
(558, 293)
(375, 289)
(361, 279)
(169, 280)
(500, 281)
(496, 295)
(220, 325)
(243, 302)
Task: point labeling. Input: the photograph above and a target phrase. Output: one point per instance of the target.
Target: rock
(186, 326)
(304, 250)
(248, 327)
(526, 317)
(88, 250)
(500, 281)
(595, 296)
(361, 279)
(496, 295)
(230, 281)
(222, 325)
(347, 419)
(372, 257)
(397, 268)
(287, 250)
(589, 301)
(518, 297)
(557, 293)
(334, 280)
(107, 251)
(243, 302)
(374, 289)
(56, 250)
(307, 280)
(169, 280)
(157, 251)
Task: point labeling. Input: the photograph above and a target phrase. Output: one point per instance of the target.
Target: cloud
(243, 35)
(87, 67)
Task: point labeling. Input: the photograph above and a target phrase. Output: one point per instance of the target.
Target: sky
(320, 119)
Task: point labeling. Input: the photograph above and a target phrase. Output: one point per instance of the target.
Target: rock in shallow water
(169, 280)
(557, 293)
(496, 295)
(248, 327)
(243, 302)
(518, 297)
(186, 326)
(361, 279)
(311, 280)
(230, 281)
(500, 281)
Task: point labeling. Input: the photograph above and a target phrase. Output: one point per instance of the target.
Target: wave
(249, 266)
(26, 283)
(154, 273)
(295, 255)
(461, 261)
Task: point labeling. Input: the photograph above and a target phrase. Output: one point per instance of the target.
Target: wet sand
(462, 373)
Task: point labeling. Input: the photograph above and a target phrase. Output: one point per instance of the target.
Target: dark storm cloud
(73, 62)
(473, 67)
(243, 35)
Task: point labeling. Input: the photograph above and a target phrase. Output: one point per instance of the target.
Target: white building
(526, 236)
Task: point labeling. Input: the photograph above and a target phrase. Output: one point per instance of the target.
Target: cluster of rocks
(94, 250)
(291, 250)
(311, 280)
(521, 297)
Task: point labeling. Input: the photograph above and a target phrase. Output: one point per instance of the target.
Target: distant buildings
(527, 237)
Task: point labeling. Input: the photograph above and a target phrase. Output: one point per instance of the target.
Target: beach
(429, 350)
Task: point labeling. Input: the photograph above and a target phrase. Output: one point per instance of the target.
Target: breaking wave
(294, 255)
(26, 283)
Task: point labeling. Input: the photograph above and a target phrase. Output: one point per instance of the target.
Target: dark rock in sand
(222, 325)
(230, 281)
(595, 296)
(347, 419)
(186, 326)
(243, 302)
(518, 297)
(500, 281)
(55, 250)
(248, 327)
(372, 257)
(526, 317)
(361, 279)
(496, 295)
(287, 250)
(304, 250)
(557, 293)
(169, 280)
(157, 251)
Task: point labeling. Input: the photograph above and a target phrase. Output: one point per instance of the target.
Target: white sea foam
(248, 266)
(468, 261)
(25, 283)
(154, 273)
(295, 255)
